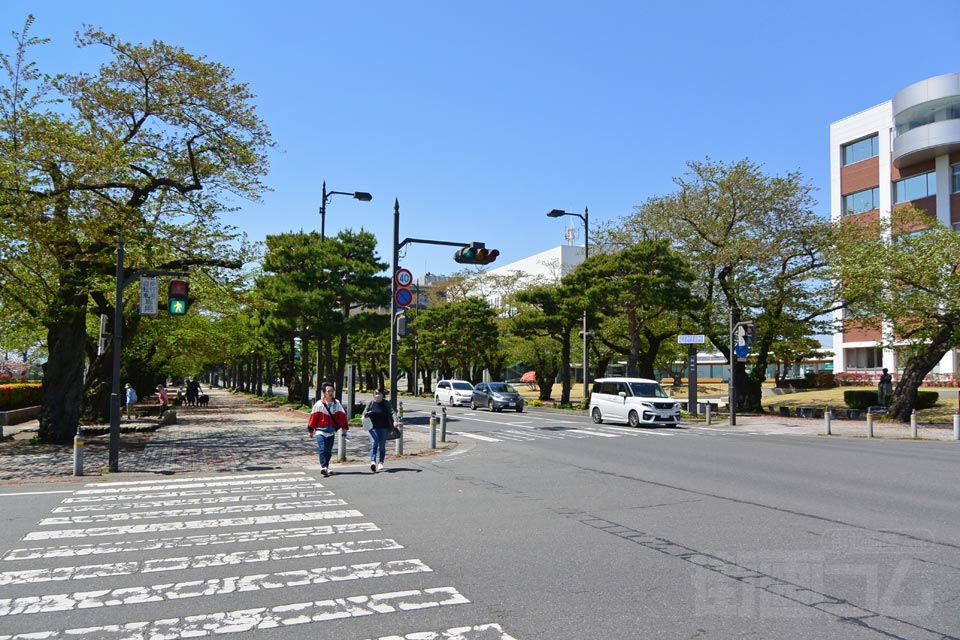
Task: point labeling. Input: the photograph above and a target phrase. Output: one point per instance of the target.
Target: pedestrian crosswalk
(518, 432)
(244, 554)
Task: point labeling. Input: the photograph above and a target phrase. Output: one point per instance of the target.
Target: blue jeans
(325, 447)
(378, 444)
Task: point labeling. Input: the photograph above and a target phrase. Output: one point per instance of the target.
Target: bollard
(826, 419)
(399, 449)
(913, 424)
(443, 424)
(869, 423)
(342, 446)
(78, 453)
(433, 429)
(956, 425)
(709, 422)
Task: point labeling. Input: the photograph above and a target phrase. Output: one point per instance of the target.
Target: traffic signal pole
(113, 459)
(397, 245)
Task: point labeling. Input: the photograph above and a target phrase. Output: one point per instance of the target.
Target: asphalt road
(535, 525)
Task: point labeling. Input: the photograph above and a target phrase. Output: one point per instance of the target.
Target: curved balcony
(927, 120)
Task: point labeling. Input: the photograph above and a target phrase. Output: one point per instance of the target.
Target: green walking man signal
(178, 290)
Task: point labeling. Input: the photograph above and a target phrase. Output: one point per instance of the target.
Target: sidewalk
(234, 433)
(776, 425)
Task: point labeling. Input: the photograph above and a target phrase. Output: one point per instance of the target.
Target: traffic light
(178, 291)
(749, 334)
(476, 253)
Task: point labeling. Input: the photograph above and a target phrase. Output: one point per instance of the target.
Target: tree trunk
(904, 397)
(63, 373)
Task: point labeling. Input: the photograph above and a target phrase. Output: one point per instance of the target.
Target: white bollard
(443, 424)
(708, 414)
(869, 423)
(433, 429)
(342, 446)
(956, 426)
(400, 428)
(78, 454)
(913, 424)
(826, 419)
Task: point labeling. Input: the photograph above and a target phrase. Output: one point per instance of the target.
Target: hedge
(18, 396)
(864, 399)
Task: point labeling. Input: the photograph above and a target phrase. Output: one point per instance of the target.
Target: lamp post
(558, 213)
(362, 196)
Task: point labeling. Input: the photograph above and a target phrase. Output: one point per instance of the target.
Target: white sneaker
(379, 466)
(373, 466)
(324, 471)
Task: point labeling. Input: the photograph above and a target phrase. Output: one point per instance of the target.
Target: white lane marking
(245, 620)
(474, 436)
(182, 542)
(182, 563)
(189, 493)
(637, 432)
(476, 632)
(130, 483)
(196, 484)
(183, 513)
(592, 433)
(30, 493)
(191, 524)
(49, 603)
(114, 506)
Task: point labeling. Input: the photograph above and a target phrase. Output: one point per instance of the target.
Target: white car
(636, 401)
(453, 392)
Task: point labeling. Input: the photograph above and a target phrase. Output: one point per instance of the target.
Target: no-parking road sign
(403, 297)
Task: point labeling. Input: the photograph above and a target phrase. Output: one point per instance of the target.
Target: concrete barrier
(16, 416)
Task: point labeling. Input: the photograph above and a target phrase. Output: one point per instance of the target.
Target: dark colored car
(496, 396)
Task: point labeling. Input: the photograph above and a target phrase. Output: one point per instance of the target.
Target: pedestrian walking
(884, 388)
(162, 399)
(380, 414)
(131, 398)
(326, 416)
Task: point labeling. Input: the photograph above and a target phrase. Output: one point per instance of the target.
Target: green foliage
(19, 396)
(864, 398)
(455, 335)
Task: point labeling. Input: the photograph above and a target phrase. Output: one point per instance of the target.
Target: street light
(362, 196)
(559, 213)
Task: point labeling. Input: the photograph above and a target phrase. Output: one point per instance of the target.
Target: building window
(863, 358)
(955, 179)
(915, 187)
(861, 201)
(857, 151)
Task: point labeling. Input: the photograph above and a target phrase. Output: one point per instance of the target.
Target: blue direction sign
(403, 297)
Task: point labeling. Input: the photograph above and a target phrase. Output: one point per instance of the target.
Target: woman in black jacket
(381, 415)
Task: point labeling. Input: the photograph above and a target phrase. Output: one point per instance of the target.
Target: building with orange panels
(906, 150)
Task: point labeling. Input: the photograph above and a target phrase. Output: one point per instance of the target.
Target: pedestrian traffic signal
(476, 253)
(401, 325)
(749, 334)
(178, 291)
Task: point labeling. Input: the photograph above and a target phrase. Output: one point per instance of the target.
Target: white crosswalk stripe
(265, 512)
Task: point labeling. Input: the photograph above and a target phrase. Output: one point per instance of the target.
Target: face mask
(377, 397)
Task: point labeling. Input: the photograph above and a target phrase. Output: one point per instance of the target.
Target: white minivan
(636, 401)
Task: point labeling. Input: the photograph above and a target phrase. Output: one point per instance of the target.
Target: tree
(648, 284)
(902, 276)
(147, 147)
(551, 312)
(456, 335)
(756, 248)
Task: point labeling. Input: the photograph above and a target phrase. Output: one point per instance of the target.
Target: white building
(904, 151)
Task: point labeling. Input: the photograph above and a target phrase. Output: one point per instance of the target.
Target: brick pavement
(234, 433)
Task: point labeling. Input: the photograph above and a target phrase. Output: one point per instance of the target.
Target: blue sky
(480, 117)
